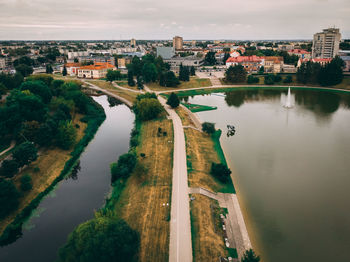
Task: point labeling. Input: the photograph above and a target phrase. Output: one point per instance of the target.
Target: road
(180, 247)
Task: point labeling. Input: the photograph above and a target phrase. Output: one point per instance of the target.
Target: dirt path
(8, 149)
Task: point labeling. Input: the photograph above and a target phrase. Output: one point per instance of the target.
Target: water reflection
(113, 101)
(74, 174)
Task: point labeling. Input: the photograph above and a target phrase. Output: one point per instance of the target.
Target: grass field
(50, 163)
(125, 84)
(207, 235)
(131, 96)
(198, 108)
(145, 201)
(193, 83)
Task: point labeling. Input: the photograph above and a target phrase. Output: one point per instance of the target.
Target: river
(291, 168)
(74, 199)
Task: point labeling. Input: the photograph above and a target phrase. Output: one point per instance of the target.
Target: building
(250, 63)
(178, 42)
(273, 64)
(321, 61)
(2, 63)
(301, 53)
(326, 43)
(96, 59)
(96, 71)
(72, 68)
(175, 62)
(165, 52)
(133, 42)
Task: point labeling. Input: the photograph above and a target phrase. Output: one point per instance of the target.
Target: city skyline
(158, 20)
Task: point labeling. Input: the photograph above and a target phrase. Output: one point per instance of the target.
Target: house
(234, 54)
(321, 61)
(250, 63)
(96, 71)
(300, 53)
(273, 64)
(72, 68)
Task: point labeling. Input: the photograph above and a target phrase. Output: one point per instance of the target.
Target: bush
(8, 197)
(277, 78)
(147, 109)
(26, 182)
(25, 153)
(66, 135)
(221, 172)
(252, 79)
(288, 80)
(249, 256)
(124, 166)
(9, 168)
(101, 239)
(269, 79)
(173, 100)
(208, 128)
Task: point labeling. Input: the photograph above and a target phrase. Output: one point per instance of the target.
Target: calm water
(292, 167)
(74, 199)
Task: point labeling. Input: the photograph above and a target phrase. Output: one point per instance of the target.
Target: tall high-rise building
(178, 42)
(133, 42)
(326, 43)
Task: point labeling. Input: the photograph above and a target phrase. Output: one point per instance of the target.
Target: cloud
(149, 19)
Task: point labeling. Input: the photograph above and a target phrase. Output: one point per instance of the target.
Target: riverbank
(56, 164)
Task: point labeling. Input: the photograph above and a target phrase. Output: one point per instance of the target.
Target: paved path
(8, 149)
(126, 89)
(96, 88)
(180, 248)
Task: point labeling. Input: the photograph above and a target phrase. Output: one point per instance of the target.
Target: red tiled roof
(72, 65)
(299, 51)
(241, 59)
(98, 66)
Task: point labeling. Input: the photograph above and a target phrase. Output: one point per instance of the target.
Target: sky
(163, 19)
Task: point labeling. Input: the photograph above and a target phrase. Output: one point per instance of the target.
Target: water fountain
(288, 103)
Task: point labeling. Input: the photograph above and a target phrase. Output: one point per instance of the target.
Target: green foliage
(269, 79)
(208, 128)
(236, 74)
(25, 153)
(332, 73)
(184, 74)
(140, 82)
(173, 100)
(64, 71)
(124, 166)
(252, 79)
(38, 88)
(146, 95)
(169, 79)
(226, 56)
(3, 89)
(210, 58)
(25, 70)
(261, 70)
(102, 239)
(147, 109)
(149, 72)
(8, 197)
(24, 60)
(250, 256)
(288, 80)
(66, 135)
(221, 172)
(26, 182)
(47, 79)
(49, 69)
(9, 168)
(193, 71)
(113, 75)
(131, 81)
(11, 81)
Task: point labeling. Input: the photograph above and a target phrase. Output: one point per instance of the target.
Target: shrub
(173, 100)
(221, 172)
(269, 79)
(9, 168)
(288, 80)
(26, 182)
(8, 197)
(124, 166)
(147, 109)
(277, 78)
(249, 256)
(252, 79)
(25, 153)
(208, 128)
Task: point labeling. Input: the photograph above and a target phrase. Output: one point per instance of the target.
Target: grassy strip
(198, 108)
(94, 119)
(194, 231)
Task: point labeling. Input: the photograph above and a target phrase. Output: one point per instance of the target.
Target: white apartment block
(326, 43)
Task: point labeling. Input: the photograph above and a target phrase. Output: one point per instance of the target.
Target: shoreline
(13, 230)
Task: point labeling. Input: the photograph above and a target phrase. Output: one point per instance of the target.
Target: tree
(261, 70)
(332, 73)
(288, 80)
(173, 100)
(149, 72)
(26, 182)
(269, 79)
(147, 109)
(221, 172)
(49, 69)
(210, 58)
(226, 56)
(168, 79)
(250, 256)
(131, 81)
(184, 73)
(8, 197)
(252, 79)
(24, 60)
(38, 88)
(25, 153)
(25, 70)
(193, 71)
(9, 168)
(208, 128)
(113, 75)
(66, 135)
(2, 90)
(124, 166)
(64, 71)
(236, 74)
(102, 239)
(140, 82)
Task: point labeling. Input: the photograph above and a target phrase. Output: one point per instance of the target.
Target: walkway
(235, 227)
(8, 149)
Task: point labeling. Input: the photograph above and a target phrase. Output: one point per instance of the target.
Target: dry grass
(186, 121)
(50, 163)
(208, 242)
(125, 84)
(130, 96)
(141, 202)
(193, 83)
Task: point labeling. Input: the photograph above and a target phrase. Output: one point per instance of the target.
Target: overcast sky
(162, 19)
